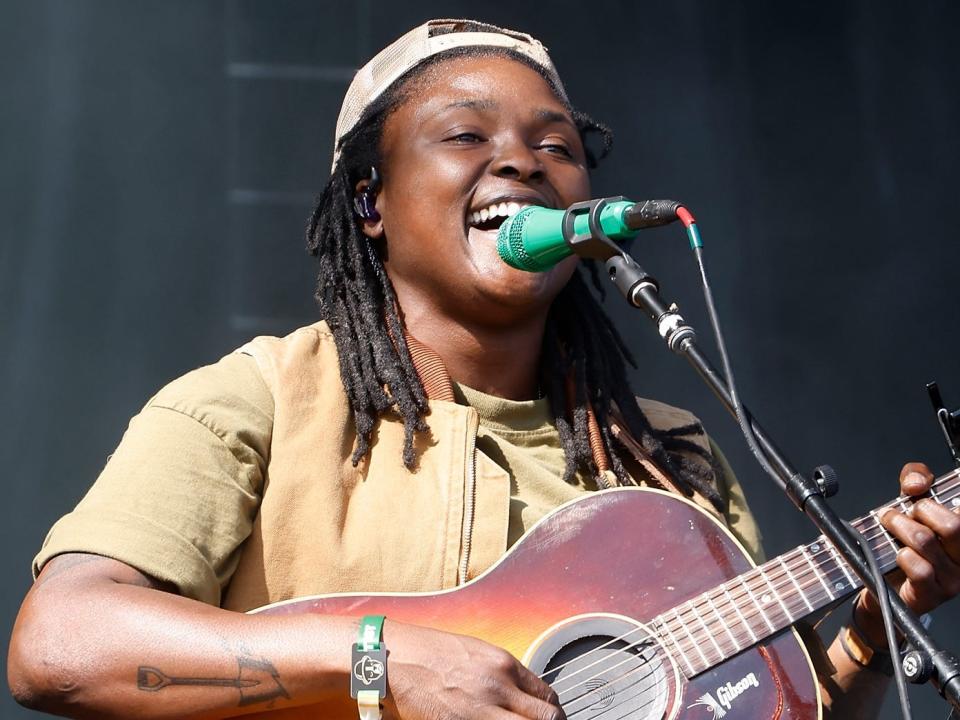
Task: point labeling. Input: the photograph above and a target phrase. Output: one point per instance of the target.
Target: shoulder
(677, 421)
(239, 389)
(666, 417)
(307, 348)
(233, 376)
(315, 337)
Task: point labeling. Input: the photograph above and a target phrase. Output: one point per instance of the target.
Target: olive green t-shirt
(521, 437)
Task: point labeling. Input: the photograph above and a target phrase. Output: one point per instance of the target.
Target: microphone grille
(510, 242)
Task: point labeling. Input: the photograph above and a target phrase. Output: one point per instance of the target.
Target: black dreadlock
(357, 301)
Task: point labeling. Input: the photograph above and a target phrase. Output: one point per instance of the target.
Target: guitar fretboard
(711, 627)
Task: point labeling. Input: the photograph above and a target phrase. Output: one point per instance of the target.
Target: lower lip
(483, 235)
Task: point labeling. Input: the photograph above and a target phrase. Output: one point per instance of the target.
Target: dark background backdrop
(158, 161)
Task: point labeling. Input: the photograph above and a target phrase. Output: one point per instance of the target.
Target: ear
(370, 223)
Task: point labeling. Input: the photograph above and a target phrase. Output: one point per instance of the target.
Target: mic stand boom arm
(642, 291)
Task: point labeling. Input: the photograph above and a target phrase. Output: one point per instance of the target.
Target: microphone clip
(594, 243)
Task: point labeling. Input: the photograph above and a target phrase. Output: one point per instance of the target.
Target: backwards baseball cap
(424, 41)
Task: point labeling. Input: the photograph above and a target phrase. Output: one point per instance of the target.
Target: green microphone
(537, 238)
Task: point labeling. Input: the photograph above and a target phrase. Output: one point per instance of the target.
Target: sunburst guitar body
(592, 599)
(635, 603)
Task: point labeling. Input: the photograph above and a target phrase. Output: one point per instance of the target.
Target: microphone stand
(926, 661)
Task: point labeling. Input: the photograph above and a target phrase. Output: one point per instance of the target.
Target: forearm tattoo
(257, 681)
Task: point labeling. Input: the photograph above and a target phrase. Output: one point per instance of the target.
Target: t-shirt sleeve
(736, 511)
(178, 496)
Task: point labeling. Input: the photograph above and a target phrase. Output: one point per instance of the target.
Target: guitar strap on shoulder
(640, 455)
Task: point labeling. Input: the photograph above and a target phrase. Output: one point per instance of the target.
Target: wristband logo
(367, 670)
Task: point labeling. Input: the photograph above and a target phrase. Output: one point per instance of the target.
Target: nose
(516, 160)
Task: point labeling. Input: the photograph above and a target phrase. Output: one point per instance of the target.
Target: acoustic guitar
(636, 603)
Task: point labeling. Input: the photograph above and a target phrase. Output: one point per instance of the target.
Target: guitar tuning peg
(949, 421)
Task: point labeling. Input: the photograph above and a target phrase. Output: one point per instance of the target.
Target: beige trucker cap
(433, 37)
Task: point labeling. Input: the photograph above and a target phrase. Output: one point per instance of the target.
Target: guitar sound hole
(604, 668)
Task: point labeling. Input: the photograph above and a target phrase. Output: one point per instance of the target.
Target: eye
(556, 148)
(465, 138)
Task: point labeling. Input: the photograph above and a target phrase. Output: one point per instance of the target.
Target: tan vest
(325, 526)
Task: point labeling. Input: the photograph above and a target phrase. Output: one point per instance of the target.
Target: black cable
(728, 373)
(882, 595)
(761, 458)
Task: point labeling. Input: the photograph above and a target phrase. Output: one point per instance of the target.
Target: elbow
(27, 680)
(19, 681)
(23, 687)
(39, 674)
(55, 660)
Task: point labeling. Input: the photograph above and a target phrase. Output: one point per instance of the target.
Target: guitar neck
(718, 624)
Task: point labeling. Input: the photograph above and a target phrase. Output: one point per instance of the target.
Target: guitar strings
(661, 620)
(659, 648)
(870, 523)
(778, 575)
(650, 665)
(749, 592)
(736, 598)
(660, 694)
(784, 572)
(765, 575)
(628, 713)
(756, 585)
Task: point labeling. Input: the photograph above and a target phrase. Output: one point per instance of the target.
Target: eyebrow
(542, 114)
(473, 105)
(554, 116)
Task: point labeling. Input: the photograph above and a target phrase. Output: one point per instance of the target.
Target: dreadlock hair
(580, 346)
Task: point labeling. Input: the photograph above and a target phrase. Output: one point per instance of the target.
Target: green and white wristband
(368, 679)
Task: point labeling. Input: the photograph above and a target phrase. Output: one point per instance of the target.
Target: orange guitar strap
(640, 456)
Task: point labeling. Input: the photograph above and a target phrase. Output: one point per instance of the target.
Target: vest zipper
(470, 500)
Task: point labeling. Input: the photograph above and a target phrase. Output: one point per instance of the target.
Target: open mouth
(492, 216)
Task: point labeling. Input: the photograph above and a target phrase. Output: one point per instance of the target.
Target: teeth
(504, 209)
